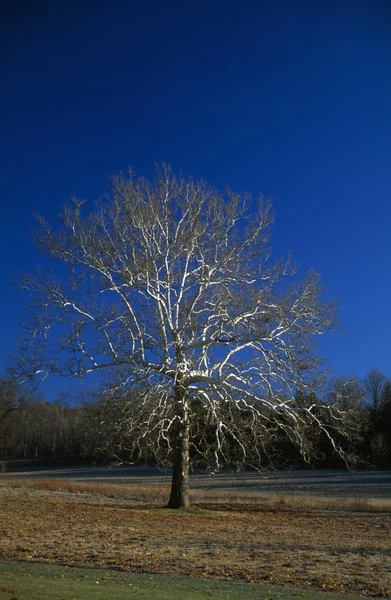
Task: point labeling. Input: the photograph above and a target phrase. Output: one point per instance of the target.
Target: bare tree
(171, 290)
(374, 383)
(9, 401)
(7, 398)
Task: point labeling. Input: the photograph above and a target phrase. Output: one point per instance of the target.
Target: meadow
(241, 531)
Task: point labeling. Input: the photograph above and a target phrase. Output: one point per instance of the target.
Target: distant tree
(378, 397)
(8, 398)
(381, 440)
(8, 404)
(171, 290)
(374, 383)
(386, 404)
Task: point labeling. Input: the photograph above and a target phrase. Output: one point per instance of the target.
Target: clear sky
(289, 98)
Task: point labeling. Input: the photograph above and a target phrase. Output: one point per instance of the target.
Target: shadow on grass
(33, 581)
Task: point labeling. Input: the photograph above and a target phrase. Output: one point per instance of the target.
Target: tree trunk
(179, 497)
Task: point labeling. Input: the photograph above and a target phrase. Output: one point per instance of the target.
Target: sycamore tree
(169, 288)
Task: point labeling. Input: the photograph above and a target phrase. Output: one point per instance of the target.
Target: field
(319, 483)
(271, 542)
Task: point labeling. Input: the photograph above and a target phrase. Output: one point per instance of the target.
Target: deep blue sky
(292, 99)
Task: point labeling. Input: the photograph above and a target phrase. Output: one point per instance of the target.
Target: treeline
(34, 428)
(95, 427)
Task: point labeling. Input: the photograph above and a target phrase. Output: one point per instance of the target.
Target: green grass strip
(37, 581)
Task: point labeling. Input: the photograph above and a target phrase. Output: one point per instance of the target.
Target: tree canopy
(170, 289)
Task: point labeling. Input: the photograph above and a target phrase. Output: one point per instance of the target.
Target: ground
(329, 550)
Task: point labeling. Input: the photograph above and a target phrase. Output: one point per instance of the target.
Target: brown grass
(153, 495)
(335, 551)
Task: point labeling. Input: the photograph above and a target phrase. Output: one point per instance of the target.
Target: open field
(336, 551)
(301, 482)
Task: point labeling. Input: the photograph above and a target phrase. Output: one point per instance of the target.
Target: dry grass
(153, 495)
(317, 550)
(134, 493)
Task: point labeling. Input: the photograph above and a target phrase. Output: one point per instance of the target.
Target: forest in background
(95, 427)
